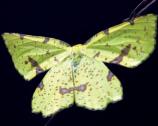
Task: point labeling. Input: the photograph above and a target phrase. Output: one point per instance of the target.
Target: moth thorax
(76, 61)
(77, 48)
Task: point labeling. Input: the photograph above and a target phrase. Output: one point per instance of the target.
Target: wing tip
(5, 34)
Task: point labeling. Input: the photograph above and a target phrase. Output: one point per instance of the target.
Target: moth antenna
(134, 14)
(49, 120)
(144, 8)
(135, 9)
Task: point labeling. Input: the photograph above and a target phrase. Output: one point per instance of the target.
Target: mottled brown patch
(41, 85)
(39, 70)
(34, 63)
(26, 62)
(131, 21)
(64, 90)
(106, 58)
(81, 87)
(110, 75)
(117, 60)
(124, 52)
(21, 36)
(55, 59)
(96, 55)
(134, 48)
(46, 39)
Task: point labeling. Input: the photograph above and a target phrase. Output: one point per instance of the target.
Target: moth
(77, 74)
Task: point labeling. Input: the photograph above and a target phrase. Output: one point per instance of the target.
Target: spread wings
(124, 44)
(34, 54)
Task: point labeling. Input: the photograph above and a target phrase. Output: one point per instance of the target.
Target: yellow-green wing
(34, 54)
(95, 85)
(55, 92)
(127, 44)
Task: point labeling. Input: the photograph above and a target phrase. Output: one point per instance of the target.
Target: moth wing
(96, 86)
(54, 92)
(126, 44)
(34, 54)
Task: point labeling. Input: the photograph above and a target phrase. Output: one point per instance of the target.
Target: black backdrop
(74, 21)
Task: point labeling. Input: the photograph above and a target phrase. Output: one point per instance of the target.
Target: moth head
(77, 48)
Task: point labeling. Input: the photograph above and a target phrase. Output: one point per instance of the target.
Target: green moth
(77, 74)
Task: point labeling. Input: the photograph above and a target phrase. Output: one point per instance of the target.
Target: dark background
(74, 21)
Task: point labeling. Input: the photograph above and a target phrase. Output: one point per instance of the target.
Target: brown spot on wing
(131, 21)
(26, 62)
(39, 70)
(41, 85)
(117, 60)
(64, 90)
(55, 59)
(21, 36)
(110, 75)
(46, 39)
(124, 52)
(134, 48)
(34, 63)
(81, 87)
(96, 55)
